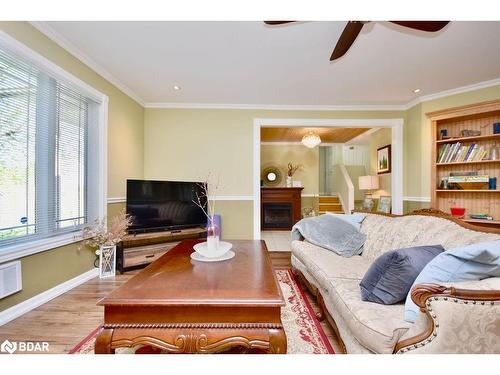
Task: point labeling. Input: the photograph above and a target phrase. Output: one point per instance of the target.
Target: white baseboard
(22, 308)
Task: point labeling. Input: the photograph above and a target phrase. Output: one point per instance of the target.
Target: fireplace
(277, 215)
(279, 208)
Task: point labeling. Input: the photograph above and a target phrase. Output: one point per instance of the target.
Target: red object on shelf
(458, 211)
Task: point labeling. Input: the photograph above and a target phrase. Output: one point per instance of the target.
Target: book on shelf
(458, 153)
(459, 179)
(470, 173)
(481, 217)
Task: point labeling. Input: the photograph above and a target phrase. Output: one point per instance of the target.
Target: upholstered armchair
(462, 317)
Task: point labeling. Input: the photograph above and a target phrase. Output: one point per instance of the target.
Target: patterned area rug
(303, 330)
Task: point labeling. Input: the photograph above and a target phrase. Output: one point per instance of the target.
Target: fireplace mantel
(279, 199)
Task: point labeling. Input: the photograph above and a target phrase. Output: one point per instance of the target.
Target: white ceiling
(252, 63)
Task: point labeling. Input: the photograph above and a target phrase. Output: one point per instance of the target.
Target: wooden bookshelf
(469, 162)
(479, 221)
(480, 117)
(487, 137)
(467, 191)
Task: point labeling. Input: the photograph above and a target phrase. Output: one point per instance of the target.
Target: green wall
(409, 206)
(417, 173)
(189, 143)
(280, 155)
(47, 269)
(240, 228)
(381, 138)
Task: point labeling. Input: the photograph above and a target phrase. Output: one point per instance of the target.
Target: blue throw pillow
(355, 219)
(473, 262)
(392, 274)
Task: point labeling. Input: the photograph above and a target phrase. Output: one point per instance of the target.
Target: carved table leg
(103, 342)
(195, 340)
(277, 341)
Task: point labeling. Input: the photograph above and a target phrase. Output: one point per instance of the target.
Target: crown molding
(278, 107)
(455, 91)
(57, 38)
(361, 107)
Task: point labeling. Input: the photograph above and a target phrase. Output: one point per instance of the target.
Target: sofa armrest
(458, 320)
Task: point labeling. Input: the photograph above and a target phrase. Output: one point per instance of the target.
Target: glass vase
(107, 261)
(213, 235)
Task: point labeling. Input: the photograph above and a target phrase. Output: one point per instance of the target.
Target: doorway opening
(356, 159)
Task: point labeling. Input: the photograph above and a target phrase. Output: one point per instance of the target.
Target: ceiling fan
(353, 28)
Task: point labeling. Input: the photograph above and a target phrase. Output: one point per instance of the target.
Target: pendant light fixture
(311, 140)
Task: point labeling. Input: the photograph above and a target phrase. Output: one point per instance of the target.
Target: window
(49, 153)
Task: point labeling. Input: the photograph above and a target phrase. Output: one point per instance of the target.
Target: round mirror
(271, 176)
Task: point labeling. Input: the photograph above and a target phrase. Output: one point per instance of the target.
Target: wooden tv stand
(138, 250)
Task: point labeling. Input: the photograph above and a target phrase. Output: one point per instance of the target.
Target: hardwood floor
(67, 319)
(281, 259)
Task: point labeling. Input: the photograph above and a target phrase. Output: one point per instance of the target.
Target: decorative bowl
(216, 252)
(457, 212)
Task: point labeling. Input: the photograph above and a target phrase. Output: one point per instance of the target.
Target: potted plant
(105, 238)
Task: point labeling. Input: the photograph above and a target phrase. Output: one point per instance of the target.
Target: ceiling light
(311, 140)
(177, 88)
(416, 91)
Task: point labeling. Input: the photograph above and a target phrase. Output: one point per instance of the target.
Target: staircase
(330, 203)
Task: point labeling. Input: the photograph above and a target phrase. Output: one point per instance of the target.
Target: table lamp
(368, 183)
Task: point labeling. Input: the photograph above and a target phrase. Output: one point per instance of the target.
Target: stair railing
(342, 183)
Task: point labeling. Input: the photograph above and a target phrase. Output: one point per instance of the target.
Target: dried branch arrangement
(209, 190)
(292, 169)
(101, 234)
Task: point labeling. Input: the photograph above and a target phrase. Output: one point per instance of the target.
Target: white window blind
(44, 153)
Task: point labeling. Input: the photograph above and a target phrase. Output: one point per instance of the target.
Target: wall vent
(10, 278)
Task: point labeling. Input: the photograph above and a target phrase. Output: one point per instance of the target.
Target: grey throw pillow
(390, 277)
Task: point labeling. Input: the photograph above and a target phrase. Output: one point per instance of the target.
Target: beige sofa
(459, 318)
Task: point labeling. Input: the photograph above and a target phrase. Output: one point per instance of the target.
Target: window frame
(98, 190)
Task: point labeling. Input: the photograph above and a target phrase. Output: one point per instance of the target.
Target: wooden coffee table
(184, 306)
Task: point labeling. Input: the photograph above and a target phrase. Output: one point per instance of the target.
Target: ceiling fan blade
(429, 26)
(272, 23)
(349, 35)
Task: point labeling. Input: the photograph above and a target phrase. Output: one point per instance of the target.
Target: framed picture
(384, 159)
(384, 204)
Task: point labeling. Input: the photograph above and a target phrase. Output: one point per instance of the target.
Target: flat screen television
(164, 205)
